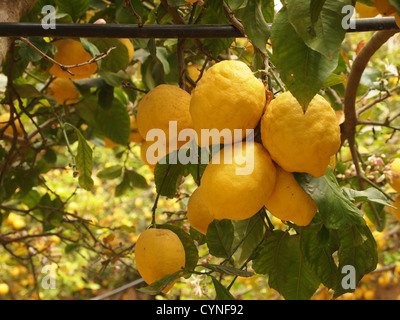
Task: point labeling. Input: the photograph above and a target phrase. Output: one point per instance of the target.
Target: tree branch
(348, 127)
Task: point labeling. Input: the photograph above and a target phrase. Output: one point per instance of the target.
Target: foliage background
(87, 229)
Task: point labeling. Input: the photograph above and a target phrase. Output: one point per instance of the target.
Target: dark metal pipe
(25, 29)
(119, 31)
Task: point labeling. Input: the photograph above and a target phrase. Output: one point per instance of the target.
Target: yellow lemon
(393, 211)
(393, 176)
(397, 19)
(63, 91)
(289, 202)
(4, 118)
(228, 97)
(135, 135)
(237, 181)
(71, 52)
(129, 46)
(198, 215)
(300, 141)
(193, 71)
(365, 11)
(162, 106)
(384, 7)
(159, 252)
(4, 289)
(244, 42)
(332, 162)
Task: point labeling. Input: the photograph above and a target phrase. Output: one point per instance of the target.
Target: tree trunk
(12, 11)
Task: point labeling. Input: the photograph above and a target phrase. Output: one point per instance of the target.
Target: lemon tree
(299, 189)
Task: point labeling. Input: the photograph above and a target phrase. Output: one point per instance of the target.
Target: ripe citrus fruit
(384, 7)
(365, 11)
(159, 252)
(298, 141)
(135, 135)
(4, 289)
(393, 176)
(160, 106)
(228, 96)
(236, 189)
(63, 91)
(193, 71)
(128, 44)
(4, 118)
(288, 201)
(198, 214)
(244, 43)
(71, 52)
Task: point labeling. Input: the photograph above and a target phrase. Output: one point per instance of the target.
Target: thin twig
(128, 4)
(67, 67)
(377, 100)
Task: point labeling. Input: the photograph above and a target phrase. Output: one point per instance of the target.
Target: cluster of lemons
(229, 97)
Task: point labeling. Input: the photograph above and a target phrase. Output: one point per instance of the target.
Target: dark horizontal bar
(119, 31)
(24, 29)
(374, 24)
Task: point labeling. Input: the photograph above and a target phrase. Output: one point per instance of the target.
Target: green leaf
(90, 47)
(337, 211)
(215, 15)
(27, 91)
(333, 80)
(302, 69)
(220, 235)
(301, 282)
(159, 285)
(84, 160)
(136, 180)
(110, 172)
(114, 122)
(111, 78)
(123, 186)
(75, 8)
(177, 3)
(250, 232)
(319, 24)
(286, 266)
(106, 96)
(221, 292)
(70, 248)
(357, 249)
(29, 54)
(396, 4)
(162, 56)
(167, 178)
(228, 270)
(117, 59)
(130, 180)
(273, 259)
(315, 10)
(236, 4)
(318, 247)
(375, 198)
(369, 194)
(255, 26)
(191, 252)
